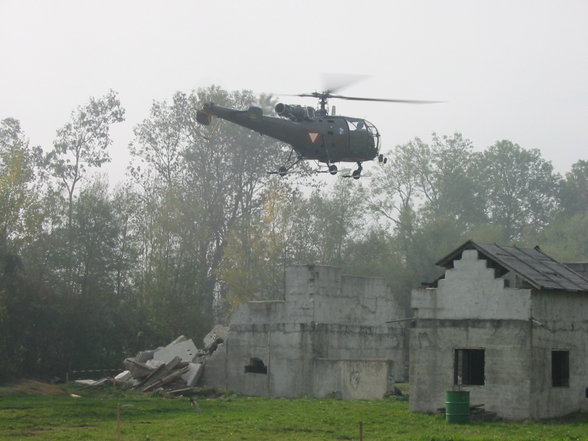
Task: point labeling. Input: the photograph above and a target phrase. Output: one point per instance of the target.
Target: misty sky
(515, 70)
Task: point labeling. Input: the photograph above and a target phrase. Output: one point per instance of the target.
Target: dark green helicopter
(313, 134)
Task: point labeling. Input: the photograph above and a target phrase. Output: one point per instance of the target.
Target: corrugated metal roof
(531, 264)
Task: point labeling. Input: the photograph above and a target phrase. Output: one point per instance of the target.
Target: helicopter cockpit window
(356, 125)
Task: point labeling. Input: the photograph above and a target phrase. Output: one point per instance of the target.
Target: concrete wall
(470, 290)
(507, 364)
(329, 337)
(560, 323)
(471, 309)
(352, 379)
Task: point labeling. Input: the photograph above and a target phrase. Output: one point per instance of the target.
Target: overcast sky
(515, 70)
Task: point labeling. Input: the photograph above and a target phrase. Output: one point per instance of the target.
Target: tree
(450, 185)
(567, 238)
(520, 188)
(19, 202)
(574, 189)
(258, 248)
(83, 142)
(196, 186)
(82, 264)
(330, 221)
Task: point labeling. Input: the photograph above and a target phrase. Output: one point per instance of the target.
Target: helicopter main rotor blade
(333, 82)
(385, 100)
(328, 94)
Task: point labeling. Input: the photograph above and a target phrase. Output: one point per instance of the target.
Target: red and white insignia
(313, 136)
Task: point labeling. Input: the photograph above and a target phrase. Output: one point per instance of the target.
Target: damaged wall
(329, 337)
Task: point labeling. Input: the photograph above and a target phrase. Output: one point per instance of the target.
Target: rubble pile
(174, 368)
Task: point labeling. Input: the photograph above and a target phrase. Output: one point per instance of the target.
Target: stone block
(194, 372)
(144, 356)
(184, 349)
(124, 377)
(154, 364)
(219, 332)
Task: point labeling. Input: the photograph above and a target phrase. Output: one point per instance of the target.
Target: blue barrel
(457, 407)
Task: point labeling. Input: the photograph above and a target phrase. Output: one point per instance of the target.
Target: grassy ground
(50, 413)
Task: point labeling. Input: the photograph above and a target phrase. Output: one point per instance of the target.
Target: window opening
(469, 367)
(256, 366)
(560, 368)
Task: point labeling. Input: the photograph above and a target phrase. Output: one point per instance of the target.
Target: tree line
(90, 274)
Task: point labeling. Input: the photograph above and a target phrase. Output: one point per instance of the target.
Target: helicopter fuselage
(312, 135)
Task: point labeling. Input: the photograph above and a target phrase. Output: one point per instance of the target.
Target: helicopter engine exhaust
(295, 112)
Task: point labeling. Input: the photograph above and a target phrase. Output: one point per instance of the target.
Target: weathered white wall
(329, 336)
(323, 295)
(471, 291)
(507, 364)
(352, 379)
(560, 323)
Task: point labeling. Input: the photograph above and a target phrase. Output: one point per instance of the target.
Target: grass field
(50, 413)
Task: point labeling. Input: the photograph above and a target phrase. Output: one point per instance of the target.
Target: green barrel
(457, 407)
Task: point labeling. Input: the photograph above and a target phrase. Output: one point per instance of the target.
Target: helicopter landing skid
(356, 174)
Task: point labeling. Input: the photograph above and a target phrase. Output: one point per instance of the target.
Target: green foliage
(256, 249)
(83, 142)
(196, 188)
(566, 239)
(20, 215)
(520, 188)
(574, 189)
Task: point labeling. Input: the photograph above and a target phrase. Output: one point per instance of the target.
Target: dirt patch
(32, 387)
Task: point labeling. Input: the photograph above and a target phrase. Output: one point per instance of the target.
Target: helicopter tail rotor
(203, 117)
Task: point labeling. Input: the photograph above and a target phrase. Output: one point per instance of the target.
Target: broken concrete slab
(154, 364)
(93, 383)
(180, 339)
(144, 356)
(194, 373)
(184, 349)
(218, 334)
(124, 377)
(85, 382)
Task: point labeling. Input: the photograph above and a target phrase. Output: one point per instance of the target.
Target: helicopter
(313, 134)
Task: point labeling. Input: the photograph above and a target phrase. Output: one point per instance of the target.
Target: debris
(123, 377)
(175, 368)
(154, 364)
(144, 356)
(138, 370)
(193, 374)
(167, 379)
(94, 383)
(185, 349)
(217, 335)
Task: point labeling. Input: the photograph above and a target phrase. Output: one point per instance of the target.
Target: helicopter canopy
(357, 125)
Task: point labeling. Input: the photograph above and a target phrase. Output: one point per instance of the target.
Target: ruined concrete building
(508, 324)
(333, 335)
